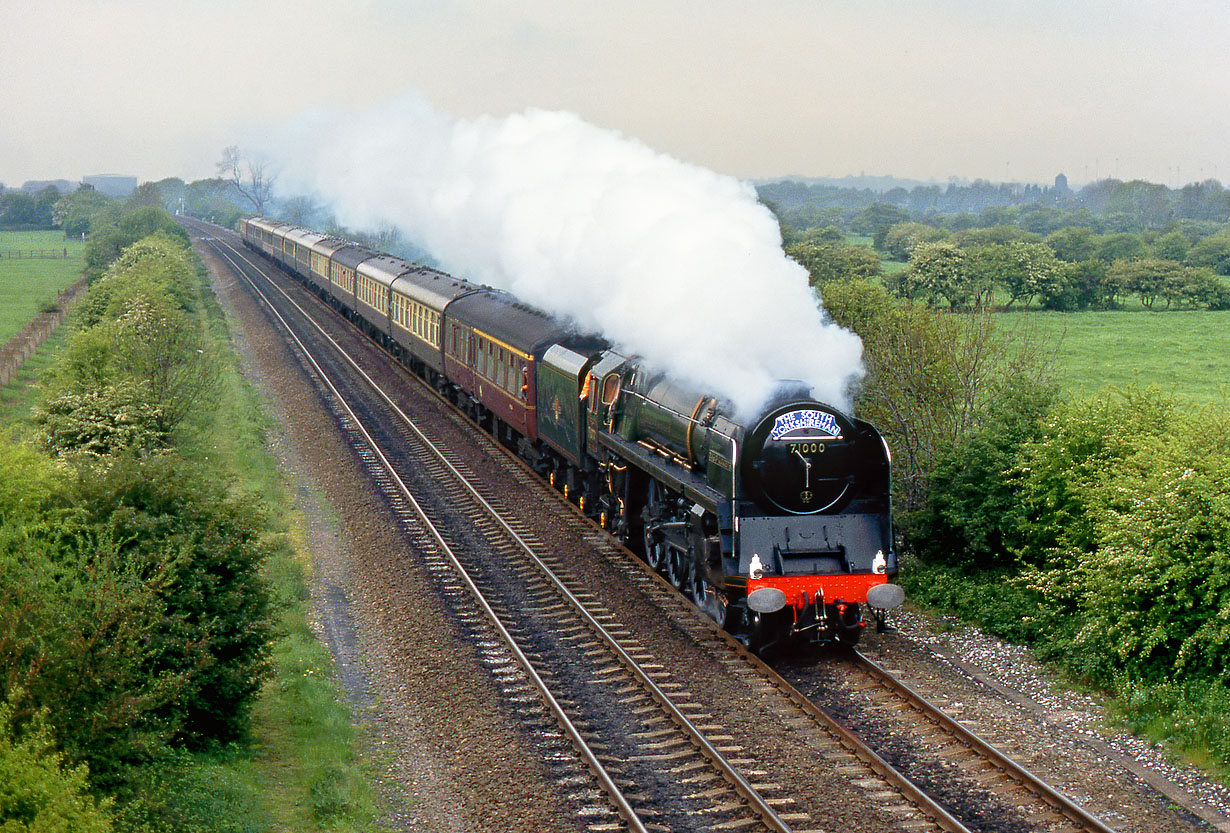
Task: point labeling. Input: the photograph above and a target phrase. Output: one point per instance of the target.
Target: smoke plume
(668, 260)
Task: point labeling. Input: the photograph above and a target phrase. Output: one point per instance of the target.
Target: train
(778, 527)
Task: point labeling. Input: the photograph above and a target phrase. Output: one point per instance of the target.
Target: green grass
(41, 241)
(1186, 354)
(27, 285)
(304, 762)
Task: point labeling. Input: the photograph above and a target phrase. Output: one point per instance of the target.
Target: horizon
(1006, 92)
(899, 181)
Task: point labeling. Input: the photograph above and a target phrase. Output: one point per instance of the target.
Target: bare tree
(251, 177)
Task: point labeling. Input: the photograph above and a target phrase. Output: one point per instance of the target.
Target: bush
(993, 599)
(113, 230)
(107, 420)
(76, 629)
(138, 354)
(972, 504)
(201, 552)
(931, 378)
(38, 792)
(1127, 526)
(1080, 444)
(1156, 592)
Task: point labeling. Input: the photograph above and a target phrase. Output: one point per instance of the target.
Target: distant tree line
(23, 211)
(1106, 206)
(47, 210)
(1167, 249)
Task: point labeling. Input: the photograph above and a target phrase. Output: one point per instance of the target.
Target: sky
(925, 89)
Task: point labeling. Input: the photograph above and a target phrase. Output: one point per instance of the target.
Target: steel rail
(1074, 812)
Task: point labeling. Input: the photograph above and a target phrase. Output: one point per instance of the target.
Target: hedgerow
(135, 621)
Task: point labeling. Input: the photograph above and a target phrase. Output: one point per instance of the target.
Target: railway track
(649, 740)
(523, 601)
(964, 751)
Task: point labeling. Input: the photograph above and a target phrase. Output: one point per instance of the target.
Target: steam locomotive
(778, 527)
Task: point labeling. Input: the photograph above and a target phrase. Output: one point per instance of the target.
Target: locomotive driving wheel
(678, 568)
(655, 550)
(706, 597)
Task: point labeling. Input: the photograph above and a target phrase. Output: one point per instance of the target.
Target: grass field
(1184, 353)
(41, 241)
(27, 285)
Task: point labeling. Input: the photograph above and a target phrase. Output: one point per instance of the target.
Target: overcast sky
(929, 89)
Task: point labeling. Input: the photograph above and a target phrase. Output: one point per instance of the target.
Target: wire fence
(21, 346)
(36, 254)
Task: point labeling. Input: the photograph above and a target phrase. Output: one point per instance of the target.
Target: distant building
(113, 185)
(1061, 185)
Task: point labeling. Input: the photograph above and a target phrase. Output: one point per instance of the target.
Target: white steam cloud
(667, 260)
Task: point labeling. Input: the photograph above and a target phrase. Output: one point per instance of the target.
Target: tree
(1081, 285)
(301, 211)
(931, 378)
(835, 261)
(1023, 270)
(901, 239)
(172, 191)
(214, 199)
(74, 212)
(995, 235)
(1147, 278)
(20, 209)
(1073, 244)
(939, 270)
(1173, 245)
(1213, 252)
(112, 231)
(147, 194)
(877, 219)
(251, 177)
(1188, 287)
(1123, 246)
